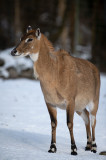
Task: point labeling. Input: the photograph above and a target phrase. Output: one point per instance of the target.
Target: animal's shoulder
(62, 54)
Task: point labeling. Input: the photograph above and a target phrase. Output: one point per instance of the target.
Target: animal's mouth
(15, 55)
(14, 52)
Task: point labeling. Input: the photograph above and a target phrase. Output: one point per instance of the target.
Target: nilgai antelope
(67, 82)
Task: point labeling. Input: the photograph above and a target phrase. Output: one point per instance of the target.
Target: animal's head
(29, 44)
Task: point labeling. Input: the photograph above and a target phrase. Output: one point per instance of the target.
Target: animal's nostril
(13, 52)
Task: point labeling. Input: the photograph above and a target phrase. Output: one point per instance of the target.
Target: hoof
(94, 151)
(53, 148)
(94, 148)
(87, 148)
(73, 150)
(74, 153)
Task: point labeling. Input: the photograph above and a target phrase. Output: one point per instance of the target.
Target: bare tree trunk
(63, 23)
(99, 35)
(61, 11)
(65, 30)
(76, 39)
(74, 27)
(94, 30)
(17, 21)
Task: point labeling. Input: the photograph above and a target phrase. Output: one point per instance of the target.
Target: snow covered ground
(25, 130)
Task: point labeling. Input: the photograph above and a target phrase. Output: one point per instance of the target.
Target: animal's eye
(28, 40)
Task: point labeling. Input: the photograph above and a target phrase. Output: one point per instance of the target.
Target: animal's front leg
(53, 117)
(70, 115)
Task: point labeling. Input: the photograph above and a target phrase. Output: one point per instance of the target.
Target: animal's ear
(38, 33)
(29, 28)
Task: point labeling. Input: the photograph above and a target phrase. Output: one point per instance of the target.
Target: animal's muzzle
(13, 52)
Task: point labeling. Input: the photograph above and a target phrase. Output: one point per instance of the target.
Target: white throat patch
(34, 56)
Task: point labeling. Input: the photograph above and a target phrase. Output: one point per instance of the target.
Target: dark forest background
(75, 25)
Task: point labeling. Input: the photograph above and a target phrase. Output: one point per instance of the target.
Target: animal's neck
(45, 60)
(46, 46)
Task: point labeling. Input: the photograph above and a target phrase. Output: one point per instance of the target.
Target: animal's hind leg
(53, 116)
(85, 116)
(93, 124)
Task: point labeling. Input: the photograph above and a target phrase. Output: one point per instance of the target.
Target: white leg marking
(92, 119)
(91, 106)
(54, 144)
(85, 118)
(95, 147)
(53, 149)
(93, 142)
(73, 150)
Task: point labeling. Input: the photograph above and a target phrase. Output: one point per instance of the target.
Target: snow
(25, 130)
(18, 63)
(83, 52)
